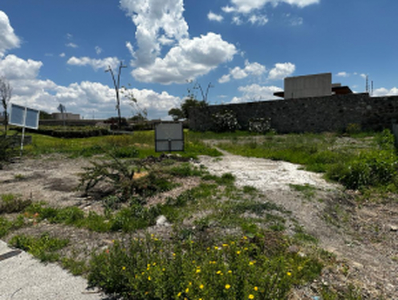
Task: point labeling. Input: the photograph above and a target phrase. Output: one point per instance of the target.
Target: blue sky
(56, 52)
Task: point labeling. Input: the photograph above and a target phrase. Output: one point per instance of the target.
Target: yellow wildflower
(229, 272)
(289, 274)
(218, 272)
(251, 296)
(149, 278)
(256, 288)
(123, 268)
(187, 290)
(227, 286)
(201, 286)
(238, 252)
(179, 294)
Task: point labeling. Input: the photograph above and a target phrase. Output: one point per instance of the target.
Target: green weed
(44, 248)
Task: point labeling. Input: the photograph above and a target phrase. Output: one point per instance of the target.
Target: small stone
(293, 249)
(162, 221)
(393, 228)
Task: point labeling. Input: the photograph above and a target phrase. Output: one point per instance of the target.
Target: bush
(225, 121)
(260, 125)
(237, 269)
(7, 149)
(376, 168)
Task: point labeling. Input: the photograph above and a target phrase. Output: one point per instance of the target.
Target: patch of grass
(10, 203)
(6, 226)
(140, 144)
(185, 170)
(307, 190)
(44, 248)
(76, 267)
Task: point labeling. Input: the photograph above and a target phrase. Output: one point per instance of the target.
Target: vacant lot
(275, 207)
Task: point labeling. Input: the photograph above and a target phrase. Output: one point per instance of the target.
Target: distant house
(317, 85)
(66, 116)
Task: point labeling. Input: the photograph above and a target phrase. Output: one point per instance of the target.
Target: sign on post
(24, 117)
(169, 137)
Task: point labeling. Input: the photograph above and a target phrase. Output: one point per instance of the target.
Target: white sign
(24, 117)
(169, 137)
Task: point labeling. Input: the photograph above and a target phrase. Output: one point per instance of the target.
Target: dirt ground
(363, 237)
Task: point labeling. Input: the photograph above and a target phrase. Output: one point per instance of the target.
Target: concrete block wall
(315, 114)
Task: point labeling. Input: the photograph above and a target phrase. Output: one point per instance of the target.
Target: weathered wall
(308, 86)
(317, 114)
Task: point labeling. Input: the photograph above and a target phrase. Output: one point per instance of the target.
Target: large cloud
(155, 19)
(94, 63)
(281, 70)
(14, 67)
(189, 59)
(86, 98)
(161, 23)
(385, 92)
(256, 92)
(8, 39)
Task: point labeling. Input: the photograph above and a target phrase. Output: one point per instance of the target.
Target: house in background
(316, 85)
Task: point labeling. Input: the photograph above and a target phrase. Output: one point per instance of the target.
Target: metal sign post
(24, 117)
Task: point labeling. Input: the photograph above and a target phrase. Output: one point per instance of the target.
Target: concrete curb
(23, 277)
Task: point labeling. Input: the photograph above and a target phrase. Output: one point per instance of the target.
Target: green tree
(176, 114)
(190, 101)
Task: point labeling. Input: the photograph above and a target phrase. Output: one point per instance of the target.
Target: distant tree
(176, 114)
(190, 101)
(5, 96)
(45, 115)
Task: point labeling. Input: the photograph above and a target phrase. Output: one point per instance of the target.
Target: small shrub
(10, 203)
(376, 168)
(385, 140)
(353, 128)
(260, 125)
(7, 149)
(225, 121)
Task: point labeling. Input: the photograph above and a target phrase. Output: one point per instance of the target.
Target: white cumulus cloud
(256, 92)
(13, 67)
(94, 63)
(153, 17)
(385, 92)
(254, 69)
(8, 39)
(86, 98)
(281, 71)
(187, 60)
(161, 23)
(214, 17)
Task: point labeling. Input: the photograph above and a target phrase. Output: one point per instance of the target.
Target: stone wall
(317, 114)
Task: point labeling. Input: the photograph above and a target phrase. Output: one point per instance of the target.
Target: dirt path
(364, 240)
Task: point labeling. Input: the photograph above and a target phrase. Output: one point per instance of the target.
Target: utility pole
(117, 87)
